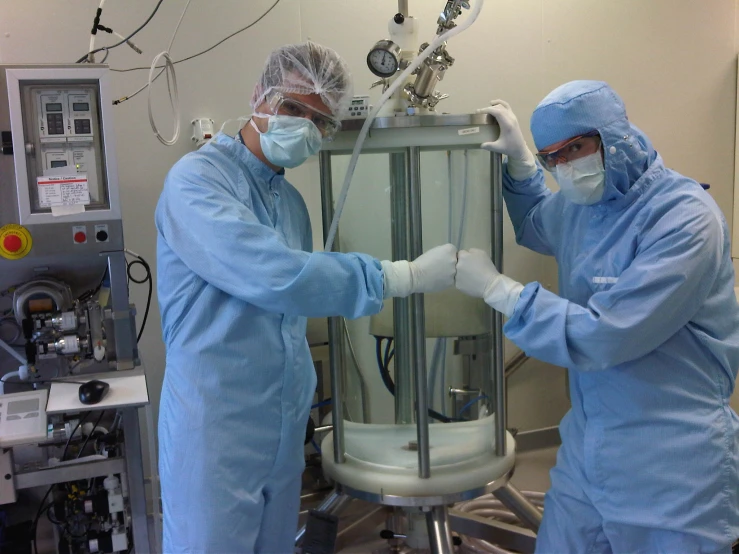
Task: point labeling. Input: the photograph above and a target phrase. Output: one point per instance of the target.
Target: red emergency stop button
(15, 241)
(80, 237)
(12, 243)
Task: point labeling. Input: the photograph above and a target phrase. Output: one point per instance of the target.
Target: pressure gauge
(384, 58)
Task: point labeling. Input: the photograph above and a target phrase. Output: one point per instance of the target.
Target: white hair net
(307, 68)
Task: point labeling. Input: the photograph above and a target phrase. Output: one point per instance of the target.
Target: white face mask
(582, 181)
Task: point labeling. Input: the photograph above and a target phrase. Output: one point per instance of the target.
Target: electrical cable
(389, 354)
(148, 278)
(34, 526)
(133, 94)
(42, 506)
(390, 385)
(129, 37)
(193, 56)
(92, 292)
(163, 68)
(54, 521)
(120, 36)
(384, 375)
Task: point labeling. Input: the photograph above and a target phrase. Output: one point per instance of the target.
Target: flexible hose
(174, 96)
(415, 64)
(10, 350)
(490, 507)
(440, 348)
(93, 35)
(438, 345)
(435, 357)
(6, 377)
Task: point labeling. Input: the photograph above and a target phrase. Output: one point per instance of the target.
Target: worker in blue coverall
(237, 277)
(646, 321)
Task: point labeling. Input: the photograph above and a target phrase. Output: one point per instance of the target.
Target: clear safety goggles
(573, 149)
(284, 105)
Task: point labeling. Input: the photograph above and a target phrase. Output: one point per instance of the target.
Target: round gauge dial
(383, 59)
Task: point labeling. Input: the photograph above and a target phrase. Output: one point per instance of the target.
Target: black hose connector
(30, 352)
(27, 326)
(96, 22)
(399, 18)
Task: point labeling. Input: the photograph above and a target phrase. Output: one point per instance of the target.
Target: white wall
(671, 60)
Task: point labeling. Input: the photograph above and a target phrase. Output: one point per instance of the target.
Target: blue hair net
(579, 107)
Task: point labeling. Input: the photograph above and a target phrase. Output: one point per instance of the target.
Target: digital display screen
(22, 406)
(58, 163)
(81, 107)
(53, 107)
(357, 102)
(40, 305)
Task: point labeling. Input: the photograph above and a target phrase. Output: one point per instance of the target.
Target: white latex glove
(477, 276)
(521, 162)
(431, 272)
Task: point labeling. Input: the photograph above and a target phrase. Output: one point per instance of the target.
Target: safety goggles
(284, 105)
(575, 148)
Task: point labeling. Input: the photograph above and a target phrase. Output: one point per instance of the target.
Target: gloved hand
(431, 272)
(478, 277)
(521, 162)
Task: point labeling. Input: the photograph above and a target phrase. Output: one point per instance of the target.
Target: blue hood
(579, 107)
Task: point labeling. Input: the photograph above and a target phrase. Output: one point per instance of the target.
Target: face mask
(582, 181)
(288, 141)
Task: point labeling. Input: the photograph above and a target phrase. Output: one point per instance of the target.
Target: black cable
(390, 385)
(129, 37)
(384, 373)
(102, 413)
(148, 278)
(92, 292)
(34, 526)
(162, 69)
(209, 48)
(388, 353)
(54, 521)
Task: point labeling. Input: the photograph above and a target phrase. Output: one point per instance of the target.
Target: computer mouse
(93, 391)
